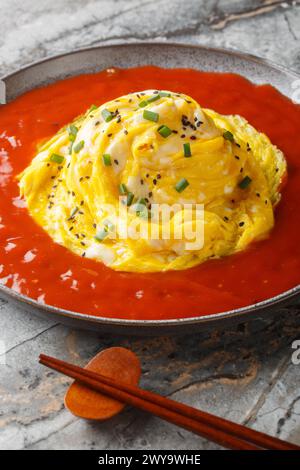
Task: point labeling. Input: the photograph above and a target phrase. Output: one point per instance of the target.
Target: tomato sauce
(32, 264)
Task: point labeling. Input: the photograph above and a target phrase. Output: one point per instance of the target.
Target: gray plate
(164, 55)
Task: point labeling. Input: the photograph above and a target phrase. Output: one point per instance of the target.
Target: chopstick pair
(213, 428)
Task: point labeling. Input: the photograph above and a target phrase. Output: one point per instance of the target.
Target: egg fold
(97, 187)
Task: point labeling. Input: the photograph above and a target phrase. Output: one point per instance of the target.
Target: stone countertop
(244, 373)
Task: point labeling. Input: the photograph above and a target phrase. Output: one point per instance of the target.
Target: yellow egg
(193, 184)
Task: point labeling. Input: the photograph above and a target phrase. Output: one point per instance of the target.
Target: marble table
(245, 372)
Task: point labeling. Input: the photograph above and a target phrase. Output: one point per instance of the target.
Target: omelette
(95, 186)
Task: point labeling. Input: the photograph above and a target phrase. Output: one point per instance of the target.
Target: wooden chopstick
(114, 391)
(217, 429)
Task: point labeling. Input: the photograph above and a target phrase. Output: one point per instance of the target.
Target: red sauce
(266, 269)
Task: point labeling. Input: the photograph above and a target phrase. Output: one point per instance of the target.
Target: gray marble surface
(244, 373)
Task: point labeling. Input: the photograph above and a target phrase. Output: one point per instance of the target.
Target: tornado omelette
(154, 147)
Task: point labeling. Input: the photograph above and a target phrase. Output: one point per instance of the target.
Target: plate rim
(225, 50)
(173, 322)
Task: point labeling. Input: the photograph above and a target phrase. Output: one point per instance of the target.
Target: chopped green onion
(141, 201)
(228, 136)
(92, 108)
(245, 182)
(107, 115)
(72, 131)
(78, 146)
(143, 213)
(130, 197)
(164, 131)
(181, 185)
(123, 189)
(153, 98)
(108, 225)
(143, 103)
(140, 207)
(106, 159)
(187, 150)
(73, 212)
(56, 158)
(100, 236)
(150, 116)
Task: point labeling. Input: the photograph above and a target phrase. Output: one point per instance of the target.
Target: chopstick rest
(116, 363)
(219, 430)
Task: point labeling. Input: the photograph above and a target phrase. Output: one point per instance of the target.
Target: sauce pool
(32, 264)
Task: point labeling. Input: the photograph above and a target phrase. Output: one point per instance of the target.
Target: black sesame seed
(193, 137)
(116, 162)
(125, 132)
(182, 136)
(241, 224)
